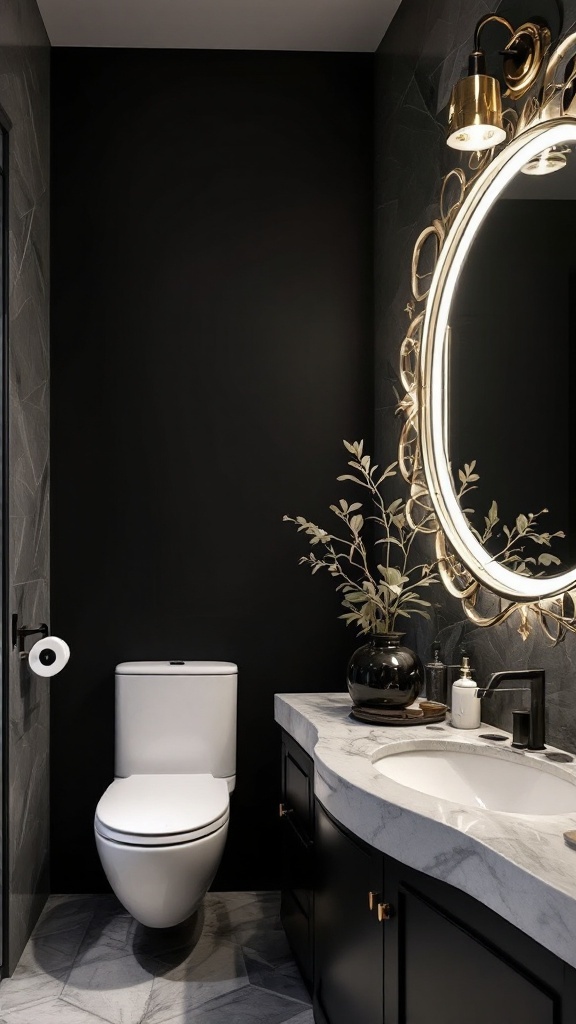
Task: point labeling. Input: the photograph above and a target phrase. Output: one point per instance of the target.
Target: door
(348, 937)
(449, 959)
(297, 846)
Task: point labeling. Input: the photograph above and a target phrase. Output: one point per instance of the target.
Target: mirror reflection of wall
(512, 364)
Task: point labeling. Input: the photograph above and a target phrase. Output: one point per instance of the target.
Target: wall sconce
(475, 116)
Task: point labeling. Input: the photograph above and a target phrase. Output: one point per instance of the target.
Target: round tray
(375, 716)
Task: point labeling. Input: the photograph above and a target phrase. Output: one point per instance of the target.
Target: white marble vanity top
(518, 865)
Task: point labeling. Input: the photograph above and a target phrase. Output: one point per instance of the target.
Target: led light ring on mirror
(486, 190)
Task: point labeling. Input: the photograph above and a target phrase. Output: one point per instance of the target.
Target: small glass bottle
(436, 677)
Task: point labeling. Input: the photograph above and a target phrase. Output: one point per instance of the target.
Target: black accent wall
(211, 346)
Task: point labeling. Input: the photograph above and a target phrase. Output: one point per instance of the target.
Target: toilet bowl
(161, 825)
(160, 839)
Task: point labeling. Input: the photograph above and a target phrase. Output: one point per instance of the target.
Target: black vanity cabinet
(448, 958)
(297, 822)
(348, 937)
(434, 955)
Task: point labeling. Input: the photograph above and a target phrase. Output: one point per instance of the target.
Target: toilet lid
(153, 810)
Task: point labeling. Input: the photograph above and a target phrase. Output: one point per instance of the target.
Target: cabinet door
(449, 959)
(297, 823)
(348, 938)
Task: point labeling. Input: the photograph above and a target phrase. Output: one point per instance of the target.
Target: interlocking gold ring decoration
(489, 591)
(531, 42)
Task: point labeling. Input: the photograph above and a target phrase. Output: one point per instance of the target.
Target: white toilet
(161, 825)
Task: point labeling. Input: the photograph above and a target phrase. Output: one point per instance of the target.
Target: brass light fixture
(475, 117)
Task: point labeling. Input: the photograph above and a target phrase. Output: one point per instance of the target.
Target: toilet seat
(162, 810)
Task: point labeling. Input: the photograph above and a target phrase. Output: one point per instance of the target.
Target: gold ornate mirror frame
(467, 570)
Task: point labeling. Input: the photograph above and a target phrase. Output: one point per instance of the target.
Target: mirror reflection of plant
(374, 597)
(526, 528)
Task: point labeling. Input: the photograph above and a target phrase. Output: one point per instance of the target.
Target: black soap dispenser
(436, 677)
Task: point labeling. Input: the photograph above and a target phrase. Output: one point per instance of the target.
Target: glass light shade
(545, 163)
(475, 116)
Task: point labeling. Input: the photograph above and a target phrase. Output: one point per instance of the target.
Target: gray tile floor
(88, 961)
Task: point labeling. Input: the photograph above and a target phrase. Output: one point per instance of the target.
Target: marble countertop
(518, 865)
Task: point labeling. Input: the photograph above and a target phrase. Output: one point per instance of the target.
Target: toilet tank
(176, 718)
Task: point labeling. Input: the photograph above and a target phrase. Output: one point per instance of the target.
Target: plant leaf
(354, 479)
(547, 559)
(521, 523)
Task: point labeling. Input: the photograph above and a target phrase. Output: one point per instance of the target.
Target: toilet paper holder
(19, 634)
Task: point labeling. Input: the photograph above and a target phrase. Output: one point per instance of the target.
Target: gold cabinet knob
(385, 911)
(283, 811)
(372, 897)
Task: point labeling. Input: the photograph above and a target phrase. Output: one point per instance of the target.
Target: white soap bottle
(465, 700)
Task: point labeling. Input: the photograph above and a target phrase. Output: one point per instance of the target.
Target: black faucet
(536, 678)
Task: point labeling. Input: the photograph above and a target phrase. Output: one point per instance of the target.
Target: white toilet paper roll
(49, 656)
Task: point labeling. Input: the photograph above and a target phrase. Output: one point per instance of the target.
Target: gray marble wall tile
(420, 58)
(25, 96)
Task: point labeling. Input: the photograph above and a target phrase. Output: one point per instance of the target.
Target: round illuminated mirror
(498, 419)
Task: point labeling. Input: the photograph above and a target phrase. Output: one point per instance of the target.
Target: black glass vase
(383, 674)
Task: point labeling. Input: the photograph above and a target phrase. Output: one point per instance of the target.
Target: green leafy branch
(525, 529)
(374, 596)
